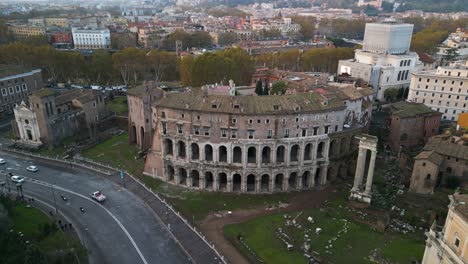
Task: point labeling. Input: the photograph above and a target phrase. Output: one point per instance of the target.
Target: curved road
(120, 230)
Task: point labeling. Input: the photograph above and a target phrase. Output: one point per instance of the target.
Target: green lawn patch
(117, 152)
(118, 105)
(351, 242)
(35, 238)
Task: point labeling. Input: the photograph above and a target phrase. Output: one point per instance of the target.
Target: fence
(108, 170)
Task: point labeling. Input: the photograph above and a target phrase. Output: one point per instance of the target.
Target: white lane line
(107, 210)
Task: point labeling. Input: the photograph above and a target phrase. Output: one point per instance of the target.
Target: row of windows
(442, 88)
(447, 104)
(405, 63)
(9, 81)
(437, 80)
(11, 90)
(403, 75)
(205, 131)
(259, 121)
(449, 96)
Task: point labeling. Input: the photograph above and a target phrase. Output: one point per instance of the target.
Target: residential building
(51, 116)
(384, 60)
(411, 124)
(449, 245)
(16, 84)
(444, 90)
(442, 157)
(86, 38)
(27, 31)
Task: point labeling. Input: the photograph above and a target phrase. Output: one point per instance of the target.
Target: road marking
(98, 204)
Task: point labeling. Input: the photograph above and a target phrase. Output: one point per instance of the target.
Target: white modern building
(85, 38)
(384, 60)
(444, 90)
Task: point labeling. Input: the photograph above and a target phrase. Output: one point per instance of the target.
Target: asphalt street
(120, 230)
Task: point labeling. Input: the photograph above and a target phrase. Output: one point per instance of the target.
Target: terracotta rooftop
(408, 109)
(143, 89)
(81, 95)
(44, 92)
(432, 156)
(272, 104)
(445, 148)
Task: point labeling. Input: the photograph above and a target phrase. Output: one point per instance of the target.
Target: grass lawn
(351, 242)
(118, 153)
(118, 105)
(53, 245)
(60, 149)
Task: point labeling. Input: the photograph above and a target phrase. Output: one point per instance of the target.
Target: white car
(2, 161)
(17, 179)
(98, 196)
(32, 168)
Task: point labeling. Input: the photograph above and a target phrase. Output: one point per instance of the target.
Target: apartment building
(87, 38)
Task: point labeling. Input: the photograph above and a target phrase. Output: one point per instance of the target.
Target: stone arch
(237, 155)
(236, 182)
(279, 178)
(182, 176)
(292, 181)
(308, 152)
(250, 183)
(168, 147)
(265, 183)
(317, 176)
(320, 150)
(294, 153)
(142, 136)
(222, 181)
(306, 180)
(266, 154)
(133, 134)
(332, 151)
(181, 149)
(195, 151)
(209, 180)
(344, 145)
(252, 155)
(208, 152)
(195, 178)
(280, 154)
(170, 173)
(222, 154)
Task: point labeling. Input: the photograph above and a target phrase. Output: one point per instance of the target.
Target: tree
(307, 24)
(130, 63)
(243, 62)
(212, 68)
(278, 88)
(265, 89)
(450, 55)
(391, 94)
(185, 72)
(227, 38)
(5, 35)
(201, 39)
(258, 88)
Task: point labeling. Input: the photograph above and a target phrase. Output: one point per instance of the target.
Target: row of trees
(131, 65)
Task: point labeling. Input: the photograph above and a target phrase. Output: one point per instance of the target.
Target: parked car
(32, 168)
(98, 196)
(17, 179)
(2, 161)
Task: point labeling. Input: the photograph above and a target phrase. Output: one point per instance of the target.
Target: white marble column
(370, 173)
(360, 167)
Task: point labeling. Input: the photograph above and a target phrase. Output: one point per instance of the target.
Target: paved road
(121, 230)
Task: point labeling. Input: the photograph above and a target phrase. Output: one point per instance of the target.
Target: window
(198, 117)
(424, 164)
(10, 89)
(283, 121)
(233, 120)
(164, 128)
(224, 132)
(259, 121)
(428, 176)
(251, 134)
(163, 114)
(250, 121)
(94, 104)
(457, 242)
(233, 133)
(5, 92)
(207, 131)
(315, 131)
(286, 132)
(196, 130)
(18, 88)
(179, 128)
(304, 132)
(326, 129)
(267, 121)
(182, 115)
(270, 133)
(236, 106)
(297, 119)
